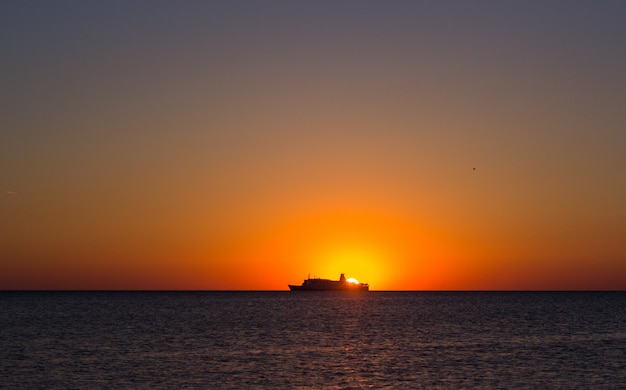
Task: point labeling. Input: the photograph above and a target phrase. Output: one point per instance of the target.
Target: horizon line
(305, 292)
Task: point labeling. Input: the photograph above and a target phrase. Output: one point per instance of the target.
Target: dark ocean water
(239, 340)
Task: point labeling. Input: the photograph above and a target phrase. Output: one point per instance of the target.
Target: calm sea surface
(238, 340)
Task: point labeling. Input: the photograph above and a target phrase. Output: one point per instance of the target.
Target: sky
(225, 145)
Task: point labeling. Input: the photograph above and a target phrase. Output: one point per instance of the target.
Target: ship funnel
(342, 278)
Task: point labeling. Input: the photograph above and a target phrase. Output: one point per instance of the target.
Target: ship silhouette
(317, 284)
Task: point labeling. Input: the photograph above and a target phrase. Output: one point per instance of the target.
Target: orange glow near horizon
(378, 248)
(358, 244)
(387, 252)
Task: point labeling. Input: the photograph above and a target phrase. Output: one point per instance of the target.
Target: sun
(352, 280)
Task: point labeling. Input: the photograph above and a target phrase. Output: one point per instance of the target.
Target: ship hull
(328, 288)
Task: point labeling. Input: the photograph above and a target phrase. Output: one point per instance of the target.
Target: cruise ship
(317, 284)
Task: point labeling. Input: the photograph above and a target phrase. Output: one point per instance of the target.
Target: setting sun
(352, 280)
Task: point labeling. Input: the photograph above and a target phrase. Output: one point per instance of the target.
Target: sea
(313, 340)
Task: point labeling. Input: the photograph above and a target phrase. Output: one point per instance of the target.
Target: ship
(317, 284)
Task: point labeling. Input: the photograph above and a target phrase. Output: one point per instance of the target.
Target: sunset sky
(413, 145)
